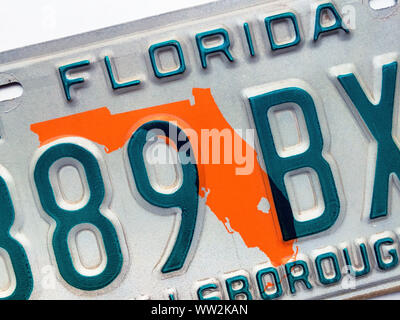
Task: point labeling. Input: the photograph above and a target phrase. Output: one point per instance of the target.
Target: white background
(25, 22)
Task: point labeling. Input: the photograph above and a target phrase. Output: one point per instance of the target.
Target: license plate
(237, 150)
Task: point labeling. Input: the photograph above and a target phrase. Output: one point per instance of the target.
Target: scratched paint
(231, 197)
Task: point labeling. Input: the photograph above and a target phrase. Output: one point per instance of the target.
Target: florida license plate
(237, 150)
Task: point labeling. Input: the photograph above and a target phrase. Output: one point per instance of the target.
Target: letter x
(379, 119)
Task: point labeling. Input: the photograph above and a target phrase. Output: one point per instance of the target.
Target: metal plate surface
(331, 105)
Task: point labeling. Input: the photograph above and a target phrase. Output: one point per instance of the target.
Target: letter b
(278, 166)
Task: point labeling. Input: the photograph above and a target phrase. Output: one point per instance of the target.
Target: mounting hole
(10, 91)
(382, 4)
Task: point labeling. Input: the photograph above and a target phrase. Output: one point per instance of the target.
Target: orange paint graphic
(268, 285)
(231, 197)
